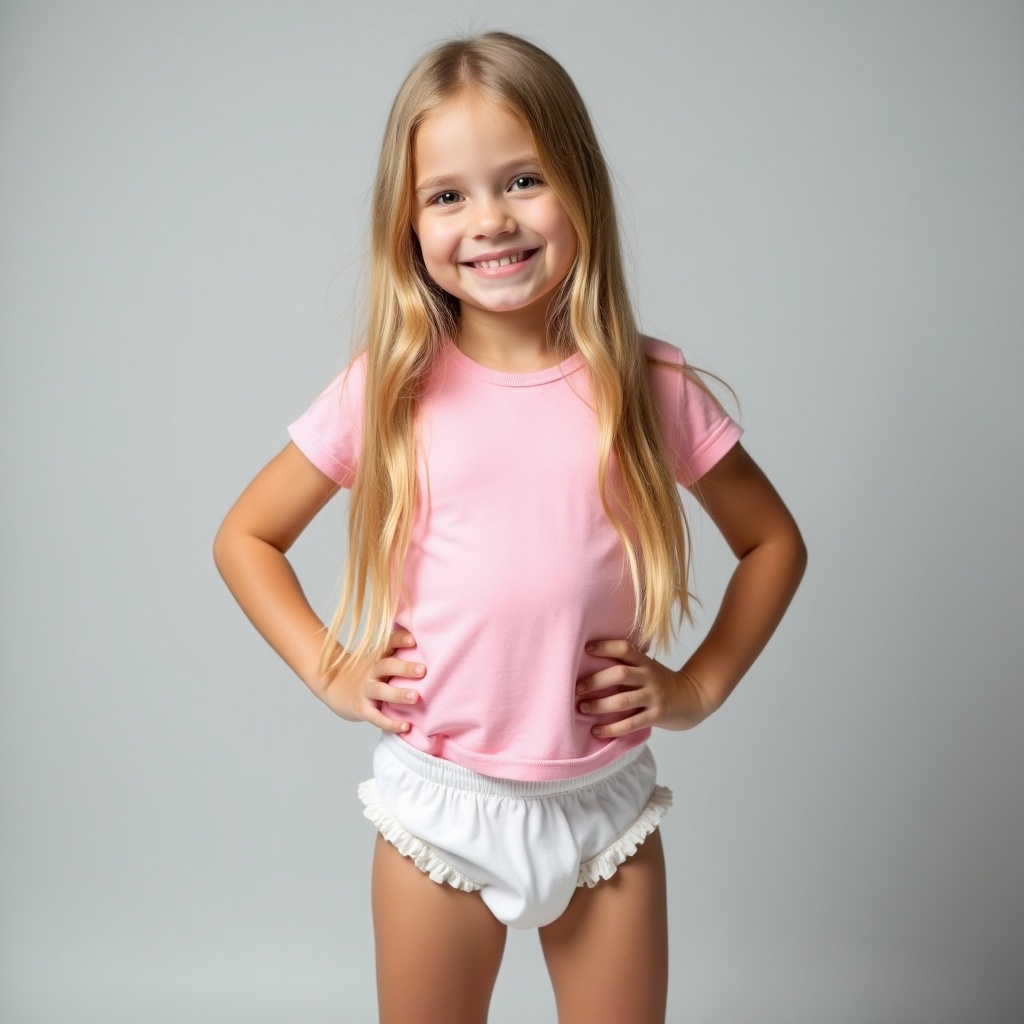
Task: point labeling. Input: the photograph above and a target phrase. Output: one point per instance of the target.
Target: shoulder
(665, 370)
(673, 378)
(699, 430)
(329, 432)
(664, 351)
(344, 392)
(353, 375)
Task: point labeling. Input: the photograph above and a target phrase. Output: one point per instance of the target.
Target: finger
(603, 679)
(623, 701)
(381, 721)
(400, 638)
(398, 667)
(641, 720)
(621, 650)
(391, 694)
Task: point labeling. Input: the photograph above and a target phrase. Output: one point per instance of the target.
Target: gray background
(823, 203)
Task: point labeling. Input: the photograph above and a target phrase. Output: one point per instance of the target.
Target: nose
(493, 217)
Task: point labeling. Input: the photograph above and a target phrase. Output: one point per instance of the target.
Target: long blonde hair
(409, 317)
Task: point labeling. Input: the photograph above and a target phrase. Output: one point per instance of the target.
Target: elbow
(798, 554)
(221, 548)
(784, 548)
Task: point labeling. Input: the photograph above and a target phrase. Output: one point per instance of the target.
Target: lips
(492, 261)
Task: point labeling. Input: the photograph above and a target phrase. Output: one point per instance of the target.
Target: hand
(357, 693)
(650, 691)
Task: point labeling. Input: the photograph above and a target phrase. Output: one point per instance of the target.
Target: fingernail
(590, 647)
(596, 730)
(580, 687)
(420, 669)
(585, 706)
(410, 696)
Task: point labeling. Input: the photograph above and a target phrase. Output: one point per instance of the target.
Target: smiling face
(492, 231)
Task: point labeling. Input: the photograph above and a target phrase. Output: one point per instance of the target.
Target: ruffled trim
(425, 857)
(605, 864)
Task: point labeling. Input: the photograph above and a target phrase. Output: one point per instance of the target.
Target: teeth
(503, 262)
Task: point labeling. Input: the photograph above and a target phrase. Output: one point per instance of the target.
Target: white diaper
(525, 846)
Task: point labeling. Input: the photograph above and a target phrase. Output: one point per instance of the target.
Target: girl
(517, 541)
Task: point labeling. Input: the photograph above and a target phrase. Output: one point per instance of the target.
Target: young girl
(513, 447)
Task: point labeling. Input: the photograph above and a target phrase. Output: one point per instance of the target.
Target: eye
(526, 181)
(445, 199)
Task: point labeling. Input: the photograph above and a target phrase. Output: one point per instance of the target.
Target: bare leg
(608, 953)
(438, 949)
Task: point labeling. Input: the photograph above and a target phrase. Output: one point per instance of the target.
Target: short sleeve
(699, 431)
(329, 432)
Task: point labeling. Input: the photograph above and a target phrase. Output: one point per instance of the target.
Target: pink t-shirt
(512, 564)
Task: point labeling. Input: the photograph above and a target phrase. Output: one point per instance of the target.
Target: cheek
(571, 241)
(436, 245)
(567, 243)
(558, 230)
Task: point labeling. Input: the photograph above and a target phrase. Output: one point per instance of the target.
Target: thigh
(438, 949)
(608, 953)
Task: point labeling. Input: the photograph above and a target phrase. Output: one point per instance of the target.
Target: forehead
(469, 127)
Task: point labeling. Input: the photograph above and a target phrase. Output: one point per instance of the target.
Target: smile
(502, 261)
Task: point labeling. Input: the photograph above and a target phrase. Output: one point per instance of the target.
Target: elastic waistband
(448, 773)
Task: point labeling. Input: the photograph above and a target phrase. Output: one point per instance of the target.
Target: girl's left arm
(756, 524)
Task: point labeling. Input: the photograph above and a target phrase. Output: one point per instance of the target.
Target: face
(492, 231)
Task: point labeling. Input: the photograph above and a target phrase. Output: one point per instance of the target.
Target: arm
(762, 534)
(250, 554)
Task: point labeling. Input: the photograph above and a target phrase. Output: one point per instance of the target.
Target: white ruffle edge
(605, 864)
(425, 857)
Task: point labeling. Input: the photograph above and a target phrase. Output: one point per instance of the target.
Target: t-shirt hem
(712, 451)
(526, 769)
(310, 446)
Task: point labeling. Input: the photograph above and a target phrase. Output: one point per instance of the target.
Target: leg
(608, 953)
(438, 949)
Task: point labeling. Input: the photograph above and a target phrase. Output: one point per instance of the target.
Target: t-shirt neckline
(511, 380)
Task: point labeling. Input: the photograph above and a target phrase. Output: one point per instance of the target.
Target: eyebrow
(435, 183)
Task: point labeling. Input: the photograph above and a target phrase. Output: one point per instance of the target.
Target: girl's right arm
(250, 554)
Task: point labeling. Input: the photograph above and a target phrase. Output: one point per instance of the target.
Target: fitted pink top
(512, 564)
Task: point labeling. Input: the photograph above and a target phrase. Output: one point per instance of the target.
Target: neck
(515, 341)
